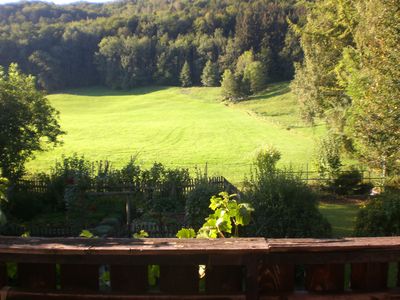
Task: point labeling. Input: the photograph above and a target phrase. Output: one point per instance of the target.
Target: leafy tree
(324, 36)
(27, 121)
(255, 74)
(185, 76)
(210, 74)
(230, 86)
(371, 73)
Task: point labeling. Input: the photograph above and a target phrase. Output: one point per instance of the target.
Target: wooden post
(3, 274)
(37, 276)
(325, 278)
(128, 214)
(130, 279)
(369, 276)
(179, 279)
(77, 277)
(276, 278)
(224, 279)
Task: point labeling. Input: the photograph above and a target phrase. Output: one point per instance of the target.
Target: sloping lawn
(181, 127)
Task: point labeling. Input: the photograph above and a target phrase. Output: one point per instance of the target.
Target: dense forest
(132, 43)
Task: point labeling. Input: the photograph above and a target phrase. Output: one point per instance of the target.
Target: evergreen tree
(210, 74)
(185, 76)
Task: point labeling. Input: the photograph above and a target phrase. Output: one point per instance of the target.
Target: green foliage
(26, 234)
(350, 79)
(284, 205)
(324, 36)
(371, 71)
(185, 76)
(186, 233)
(347, 182)
(153, 274)
(230, 86)
(225, 221)
(28, 123)
(86, 234)
(3, 189)
(249, 78)
(140, 235)
(380, 216)
(328, 158)
(210, 75)
(197, 203)
(3, 198)
(255, 74)
(137, 43)
(228, 216)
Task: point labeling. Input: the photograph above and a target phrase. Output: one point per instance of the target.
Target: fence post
(128, 213)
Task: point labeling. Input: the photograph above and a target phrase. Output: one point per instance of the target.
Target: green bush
(197, 203)
(328, 159)
(347, 182)
(283, 205)
(380, 216)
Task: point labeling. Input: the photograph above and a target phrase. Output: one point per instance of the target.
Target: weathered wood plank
(27, 295)
(79, 277)
(37, 276)
(224, 279)
(111, 246)
(370, 276)
(325, 278)
(3, 274)
(276, 278)
(129, 279)
(165, 245)
(179, 279)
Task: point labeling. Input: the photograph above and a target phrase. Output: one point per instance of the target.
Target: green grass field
(181, 128)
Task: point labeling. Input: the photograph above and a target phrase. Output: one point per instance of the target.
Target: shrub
(347, 182)
(328, 158)
(379, 216)
(284, 205)
(164, 189)
(197, 203)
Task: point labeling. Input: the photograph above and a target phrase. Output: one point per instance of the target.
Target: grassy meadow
(180, 127)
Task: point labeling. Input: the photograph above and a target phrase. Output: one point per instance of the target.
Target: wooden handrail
(251, 268)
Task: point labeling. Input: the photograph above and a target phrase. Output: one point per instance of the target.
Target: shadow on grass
(273, 90)
(100, 91)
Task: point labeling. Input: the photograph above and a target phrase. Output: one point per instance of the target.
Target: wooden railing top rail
(156, 246)
(244, 268)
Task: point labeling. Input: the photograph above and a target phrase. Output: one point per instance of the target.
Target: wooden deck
(246, 268)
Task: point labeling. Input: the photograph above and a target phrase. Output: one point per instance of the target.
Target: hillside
(179, 127)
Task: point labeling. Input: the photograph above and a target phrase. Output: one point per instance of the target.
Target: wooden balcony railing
(246, 268)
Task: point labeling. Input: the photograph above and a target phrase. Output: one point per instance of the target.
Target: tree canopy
(350, 75)
(27, 121)
(131, 43)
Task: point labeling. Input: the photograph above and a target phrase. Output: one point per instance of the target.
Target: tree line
(133, 43)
